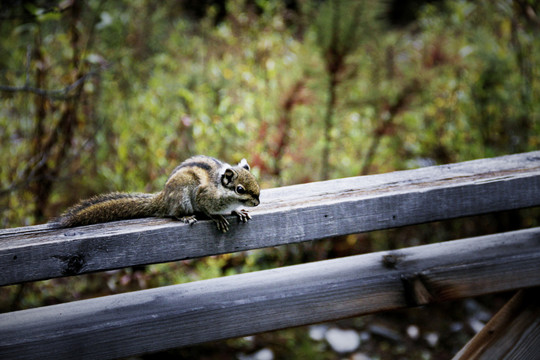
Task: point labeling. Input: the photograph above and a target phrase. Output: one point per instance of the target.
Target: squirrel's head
(239, 180)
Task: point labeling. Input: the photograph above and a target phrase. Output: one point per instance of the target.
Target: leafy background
(102, 96)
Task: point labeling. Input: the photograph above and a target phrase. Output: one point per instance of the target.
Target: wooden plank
(512, 334)
(287, 215)
(173, 316)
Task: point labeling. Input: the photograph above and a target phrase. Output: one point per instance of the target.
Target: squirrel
(199, 185)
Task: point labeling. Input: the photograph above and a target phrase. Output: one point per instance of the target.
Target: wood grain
(512, 334)
(287, 215)
(167, 317)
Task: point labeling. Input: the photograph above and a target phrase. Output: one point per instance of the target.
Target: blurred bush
(101, 96)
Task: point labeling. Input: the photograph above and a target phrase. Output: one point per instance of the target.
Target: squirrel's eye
(240, 189)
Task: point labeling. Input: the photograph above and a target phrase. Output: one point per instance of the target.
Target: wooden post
(286, 215)
(173, 316)
(512, 334)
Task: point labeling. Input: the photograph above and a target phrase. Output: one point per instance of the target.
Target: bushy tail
(105, 208)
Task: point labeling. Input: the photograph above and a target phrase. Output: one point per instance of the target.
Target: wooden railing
(173, 316)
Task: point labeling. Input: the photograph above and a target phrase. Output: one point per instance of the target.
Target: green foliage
(458, 85)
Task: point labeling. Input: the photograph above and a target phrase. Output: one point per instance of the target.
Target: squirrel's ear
(243, 163)
(228, 176)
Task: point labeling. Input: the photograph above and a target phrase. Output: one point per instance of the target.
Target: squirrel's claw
(243, 215)
(221, 223)
(191, 219)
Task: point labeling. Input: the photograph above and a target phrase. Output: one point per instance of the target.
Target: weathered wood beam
(173, 316)
(287, 215)
(512, 334)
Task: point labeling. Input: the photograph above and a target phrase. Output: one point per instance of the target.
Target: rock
(413, 331)
(476, 324)
(385, 332)
(263, 354)
(317, 332)
(477, 310)
(432, 339)
(343, 341)
(456, 326)
(360, 356)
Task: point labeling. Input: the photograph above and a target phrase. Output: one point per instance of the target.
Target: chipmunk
(199, 185)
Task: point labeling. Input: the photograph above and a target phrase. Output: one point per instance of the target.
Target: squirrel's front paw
(221, 223)
(243, 215)
(188, 219)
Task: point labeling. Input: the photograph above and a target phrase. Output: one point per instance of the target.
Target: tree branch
(61, 94)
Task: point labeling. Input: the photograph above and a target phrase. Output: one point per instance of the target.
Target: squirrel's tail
(105, 208)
